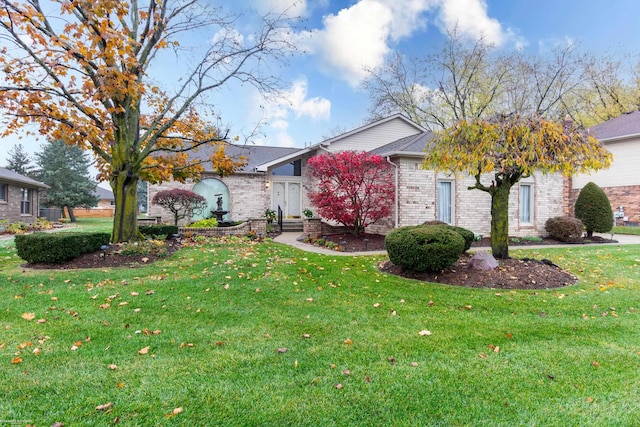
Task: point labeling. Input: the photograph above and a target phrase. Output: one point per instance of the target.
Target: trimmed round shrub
(594, 209)
(564, 228)
(424, 248)
(467, 235)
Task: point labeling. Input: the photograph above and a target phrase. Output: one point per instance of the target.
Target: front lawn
(265, 334)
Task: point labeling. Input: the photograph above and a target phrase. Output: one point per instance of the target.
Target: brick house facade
(276, 176)
(19, 197)
(621, 182)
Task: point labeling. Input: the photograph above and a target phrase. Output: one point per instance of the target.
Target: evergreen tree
(594, 209)
(65, 169)
(19, 161)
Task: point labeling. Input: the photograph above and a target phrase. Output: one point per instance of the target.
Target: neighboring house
(277, 177)
(19, 197)
(106, 198)
(621, 182)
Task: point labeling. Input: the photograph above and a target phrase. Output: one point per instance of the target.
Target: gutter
(397, 213)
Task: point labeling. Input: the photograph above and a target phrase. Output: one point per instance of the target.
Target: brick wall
(11, 208)
(628, 197)
(247, 196)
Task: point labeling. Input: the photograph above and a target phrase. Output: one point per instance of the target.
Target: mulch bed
(512, 273)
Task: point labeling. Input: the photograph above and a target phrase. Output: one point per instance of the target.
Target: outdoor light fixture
(267, 184)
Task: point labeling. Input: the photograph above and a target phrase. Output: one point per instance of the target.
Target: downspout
(397, 214)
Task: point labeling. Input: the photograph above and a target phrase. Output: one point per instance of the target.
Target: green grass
(626, 230)
(224, 310)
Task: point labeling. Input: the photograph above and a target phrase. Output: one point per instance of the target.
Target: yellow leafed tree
(81, 71)
(512, 147)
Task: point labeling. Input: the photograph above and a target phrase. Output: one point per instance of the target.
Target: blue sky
(323, 90)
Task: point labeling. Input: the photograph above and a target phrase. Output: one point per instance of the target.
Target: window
(445, 201)
(526, 203)
(4, 192)
(290, 169)
(25, 201)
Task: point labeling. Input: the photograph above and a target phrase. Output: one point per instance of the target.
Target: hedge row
(55, 248)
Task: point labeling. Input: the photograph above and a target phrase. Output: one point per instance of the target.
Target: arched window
(212, 189)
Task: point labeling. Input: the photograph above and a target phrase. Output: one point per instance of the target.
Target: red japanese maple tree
(354, 188)
(181, 203)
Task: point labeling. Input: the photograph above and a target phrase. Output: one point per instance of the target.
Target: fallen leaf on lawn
(267, 336)
(332, 366)
(338, 386)
(295, 364)
(468, 307)
(482, 356)
(508, 335)
(393, 313)
(376, 305)
(104, 406)
(24, 345)
(309, 299)
(123, 303)
(257, 289)
(595, 363)
(391, 360)
(74, 347)
(306, 336)
(112, 367)
(282, 350)
(144, 350)
(430, 303)
(134, 294)
(58, 424)
(346, 372)
(150, 292)
(78, 343)
(54, 298)
(16, 360)
(348, 341)
(177, 411)
(144, 259)
(226, 286)
(219, 343)
(589, 400)
(367, 379)
(105, 305)
(413, 364)
(41, 321)
(156, 332)
(37, 350)
(28, 316)
(424, 333)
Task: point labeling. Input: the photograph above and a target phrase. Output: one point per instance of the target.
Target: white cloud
(360, 36)
(292, 104)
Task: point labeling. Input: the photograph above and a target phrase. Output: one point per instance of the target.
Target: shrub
(594, 210)
(424, 248)
(204, 223)
(152, 231)
(17, 228)
(565, 228)
(58, 247)
(468, 236)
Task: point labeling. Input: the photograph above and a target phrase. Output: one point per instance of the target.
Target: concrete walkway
(295, 239)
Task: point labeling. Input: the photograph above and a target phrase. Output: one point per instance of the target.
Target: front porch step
(292, 225)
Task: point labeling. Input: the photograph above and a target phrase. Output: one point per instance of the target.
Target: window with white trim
(526, 203)
(25, 201)
(445, 202)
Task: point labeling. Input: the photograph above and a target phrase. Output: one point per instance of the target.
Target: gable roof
(254, 154)
(414, 145)
(104, 194)
(326, 144)
(15, 178)
(623, 126)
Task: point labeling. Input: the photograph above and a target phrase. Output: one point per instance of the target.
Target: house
(277, 177)
(19, 197)
(621, 181)
(106, 199)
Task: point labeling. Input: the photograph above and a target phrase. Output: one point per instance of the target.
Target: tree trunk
(500, 221)
(125, 217)
(72, 217)
(125, 175)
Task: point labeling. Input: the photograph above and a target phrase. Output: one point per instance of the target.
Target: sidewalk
(291, 239)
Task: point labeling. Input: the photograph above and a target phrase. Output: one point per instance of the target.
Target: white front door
(287, 195)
